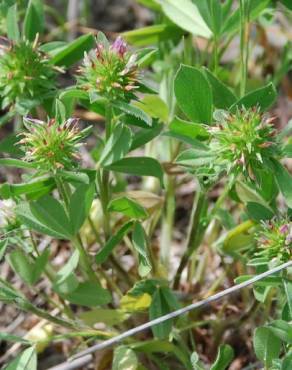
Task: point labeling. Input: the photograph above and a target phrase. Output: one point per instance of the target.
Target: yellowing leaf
(41, 335)
(132, 304)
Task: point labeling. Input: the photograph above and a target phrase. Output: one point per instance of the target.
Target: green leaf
(189, 129)
(65, 281)
(145, 135)
(256, 7)
(128, 207)
(211, 11)
(195, 361)
(117, 146)
(53, 47)
(263, 98)
(187, 16)
(268, 281)
(9, 145)
(287, 151)
(106, 250)
(151, 4)
(77, 177)
(29, 270)
(152, 35)
(21, 265)
(266, 345)
(80, 204)
(133, 111)
(73, 93)
(13, 338)
(107, 316)
(50, 212)
(224, 357)
(284, 181)
(25, 215)
(163, 302)
(287, 3)
(124, 359)
(238, 238)
(223, 97)
(154, 106)
(36, 186)
(6, 117)
(195, 157)
(27, 360)
(12, 23)
(89, 294)
(193, 94)
(287, 362)
(145, 58)
(248, 194)
(8, 293)
(140, 243)
(40, 264)
(34, 19)
(74, 51)
(258, 212)
(18, 163)
(139, 166)
(282, 330)
(3, 247)
(288, 291)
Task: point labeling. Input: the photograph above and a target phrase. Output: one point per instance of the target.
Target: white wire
(179, 312)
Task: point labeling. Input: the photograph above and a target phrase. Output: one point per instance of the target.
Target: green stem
(196, 232)
(94, 230)
(168, 220)
(103, 176)
(28, 307)
(215, 56)
(49, 272)
(85, 260)
(198, 227)
(244, 37)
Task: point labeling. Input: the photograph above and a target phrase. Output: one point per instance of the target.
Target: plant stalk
(85, 261)
(244, 37)
(196, 232)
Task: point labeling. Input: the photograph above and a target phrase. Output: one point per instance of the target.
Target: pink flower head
(119, 46)
(99, 51)
(284, 229)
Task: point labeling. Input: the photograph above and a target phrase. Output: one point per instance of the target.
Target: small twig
(181, 311)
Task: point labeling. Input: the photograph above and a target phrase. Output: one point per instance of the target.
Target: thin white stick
(180, 311)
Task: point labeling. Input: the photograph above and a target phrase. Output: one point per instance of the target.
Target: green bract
(274, 240)
(241, 143)
(26, 76)
(110, 71)
(52, 146)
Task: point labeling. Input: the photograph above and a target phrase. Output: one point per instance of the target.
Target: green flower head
(274, 240)
(240, 143)
(110, 71)
(26, 76)
(50, 145)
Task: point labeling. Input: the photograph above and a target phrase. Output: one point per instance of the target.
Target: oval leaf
(193, 94)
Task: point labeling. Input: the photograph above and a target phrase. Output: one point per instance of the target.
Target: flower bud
(111, 71)
(50, 145)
